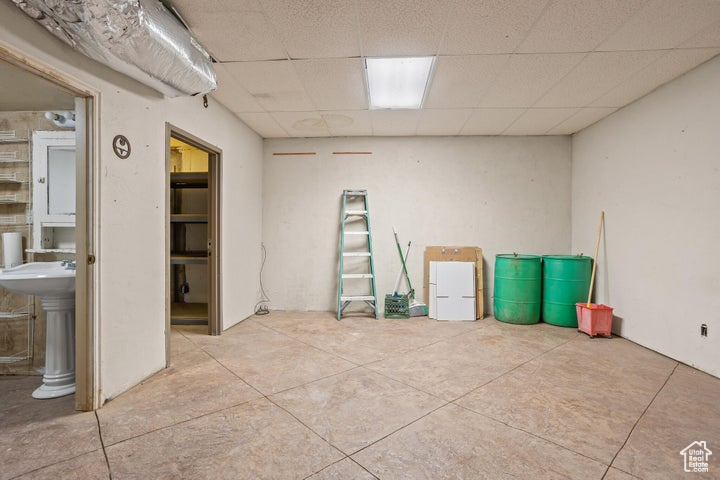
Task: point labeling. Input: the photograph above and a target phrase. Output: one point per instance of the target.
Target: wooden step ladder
(355, 206)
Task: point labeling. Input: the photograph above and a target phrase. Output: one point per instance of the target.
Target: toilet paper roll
(12, 249)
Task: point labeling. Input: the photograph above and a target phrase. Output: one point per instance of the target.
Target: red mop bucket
(594, 319)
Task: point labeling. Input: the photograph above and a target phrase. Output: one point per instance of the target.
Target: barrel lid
(567, 257)
(519, 256)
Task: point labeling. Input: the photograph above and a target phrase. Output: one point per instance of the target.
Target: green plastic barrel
(566, 281)
(517, 288)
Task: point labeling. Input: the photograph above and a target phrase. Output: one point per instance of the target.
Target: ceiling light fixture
(398, 83)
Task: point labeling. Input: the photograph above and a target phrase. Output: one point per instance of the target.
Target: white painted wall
(503, 194)
(654, 167)
(131, 253)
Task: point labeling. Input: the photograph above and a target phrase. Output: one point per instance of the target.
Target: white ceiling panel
(442, 122)
(662, 70)
(537, 121)
(595, 76)
(402, 27)
(526, 78)
(302, 124)
(263, 123)
(710, 37)
(315, 28)
(274, 85)
(583, 118)
(334, 84)
(238, 36)
(663, 24)
(460, 82)
(194, 9)
(231, 93)
(577, 25)
(490, 26)
(490, 121)
(350, 123)
(394, 122)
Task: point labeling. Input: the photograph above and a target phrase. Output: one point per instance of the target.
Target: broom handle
(597, 249)
(400, 274)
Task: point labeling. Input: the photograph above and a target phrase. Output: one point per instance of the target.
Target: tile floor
(299, 395)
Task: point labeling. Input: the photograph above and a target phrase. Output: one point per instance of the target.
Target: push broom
(417, 309)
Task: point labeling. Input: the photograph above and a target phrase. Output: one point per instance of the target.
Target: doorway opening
(47, 158)
(193, 233)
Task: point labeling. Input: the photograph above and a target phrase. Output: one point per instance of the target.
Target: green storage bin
(566, 281)
(518, 283)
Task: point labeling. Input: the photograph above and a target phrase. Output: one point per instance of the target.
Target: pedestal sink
(54, 283)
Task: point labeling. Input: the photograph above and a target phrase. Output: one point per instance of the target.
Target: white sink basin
(39, 278)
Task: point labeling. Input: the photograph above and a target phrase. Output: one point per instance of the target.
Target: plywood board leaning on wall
(457, 254)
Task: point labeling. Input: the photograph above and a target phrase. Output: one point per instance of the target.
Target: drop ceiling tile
(315, 28)
(577, 25)
(334, 84)
(710, 37)
(231, 94)
(526, 78)
(490, 26)
(583, 118)
(666, 68)
(348, 123)
(442, 122)
(460, 82)
(274, 85)
(491, 121)
(263, 124)
(401, 27)
(664, 24)
(537, 121)
(597, 74)
(302, 124)
(394, 122)
(236, 36)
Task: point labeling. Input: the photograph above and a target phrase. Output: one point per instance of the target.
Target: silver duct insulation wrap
(139, 38)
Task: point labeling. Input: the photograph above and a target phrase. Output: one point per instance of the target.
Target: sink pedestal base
(59, 377)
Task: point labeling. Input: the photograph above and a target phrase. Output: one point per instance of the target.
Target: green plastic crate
(397, 307)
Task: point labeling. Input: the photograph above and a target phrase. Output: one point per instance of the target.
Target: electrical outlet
(703, 329)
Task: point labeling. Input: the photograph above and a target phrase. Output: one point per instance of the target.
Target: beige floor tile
(179, 343)
(343, 470)
(256, 440)
(90, 466)
(356, 408)
(37, 433)
(274, 368)
(240, 333)
(685, 411)
(194, 385)
(454, 443)
(615, 474)
(453, 367)
(585, 395)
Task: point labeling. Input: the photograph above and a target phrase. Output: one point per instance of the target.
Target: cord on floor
(261, 309)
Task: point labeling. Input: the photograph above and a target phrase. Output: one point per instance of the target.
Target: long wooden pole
(595, 261)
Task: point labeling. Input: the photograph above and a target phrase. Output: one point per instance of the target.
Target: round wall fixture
(121, 146)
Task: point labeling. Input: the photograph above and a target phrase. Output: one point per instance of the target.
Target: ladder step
(357, 233)
(355, 193)
(357, 275)
(356, 254)
(355, 212)
(350, 298)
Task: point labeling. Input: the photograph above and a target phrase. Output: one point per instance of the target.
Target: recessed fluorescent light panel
(398, 82)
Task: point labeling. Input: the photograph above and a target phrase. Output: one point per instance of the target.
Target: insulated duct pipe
(139, 38)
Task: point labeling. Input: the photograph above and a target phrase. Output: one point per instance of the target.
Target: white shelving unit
(12, 221)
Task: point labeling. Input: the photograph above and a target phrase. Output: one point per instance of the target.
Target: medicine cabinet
(53, 213)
